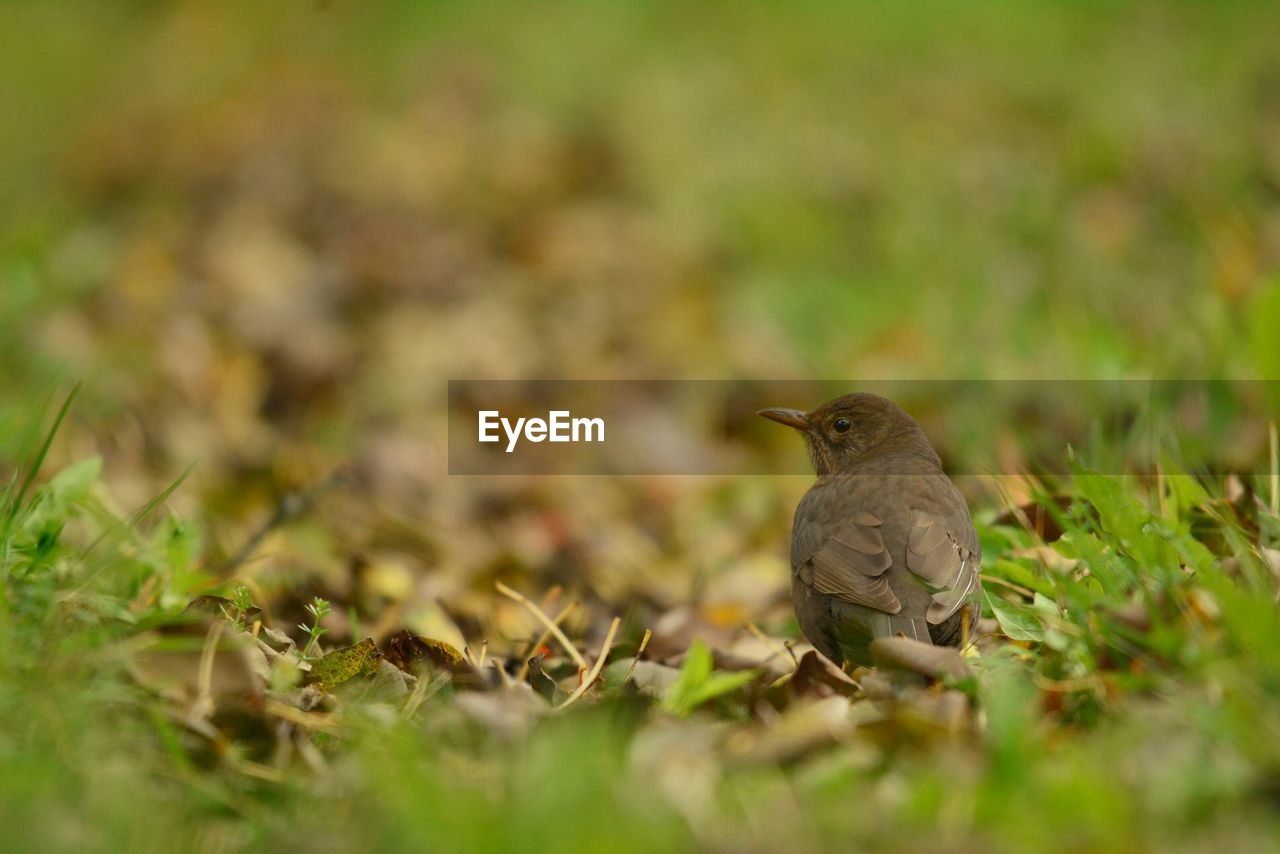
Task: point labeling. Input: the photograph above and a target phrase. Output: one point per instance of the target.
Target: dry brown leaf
(649, 677)
(818, 677)
(509, 711)
(411, 652)
(905, 654)
(802, 729)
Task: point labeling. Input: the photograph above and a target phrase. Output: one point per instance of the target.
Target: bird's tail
(855, 642)
(892, 625)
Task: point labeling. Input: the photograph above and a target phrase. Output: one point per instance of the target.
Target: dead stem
(1025, 591)
(599, 665)
(507, 681)
(204, 679)
(545, 620)
(542, 638)
(644, 643)
(307, 720)
(1066, 686)
(775, 648)
(288, 508)
(424, 691)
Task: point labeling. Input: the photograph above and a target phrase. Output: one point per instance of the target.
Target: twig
(1025, 591)
(204, 679)
(599, 665)
(644, 643)
(542, 638)
(424, 691)
(259, 771)
(545, 620)
(1066, 686)
(507, 681)
(775, 647)
(312, 756)
(1018, 513)
(416, 697)
(552, 594)
(306, 720)
(289, 507)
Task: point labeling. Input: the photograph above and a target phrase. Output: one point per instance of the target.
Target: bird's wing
(852, 565)
(948, 564)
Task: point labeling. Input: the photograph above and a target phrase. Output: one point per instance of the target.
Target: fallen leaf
(509, 711)
(543, 683)
(818, 677)
(389, 685)
(804, 728)
(346, 663)
(409, 652)
(935, 662)
(649, 677)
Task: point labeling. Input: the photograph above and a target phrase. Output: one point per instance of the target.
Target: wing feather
(853, 565)
(949, 568)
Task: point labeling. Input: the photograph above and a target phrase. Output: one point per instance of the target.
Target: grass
(1133, 704)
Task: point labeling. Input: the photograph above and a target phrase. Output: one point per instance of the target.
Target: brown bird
(882, 543)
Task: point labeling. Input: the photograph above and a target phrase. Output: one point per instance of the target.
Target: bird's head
(842, 432)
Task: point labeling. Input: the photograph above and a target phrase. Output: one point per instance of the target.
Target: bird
(882, 544)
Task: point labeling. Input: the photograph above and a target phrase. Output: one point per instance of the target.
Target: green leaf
(1020, 574)
(66, 494)
(1126, 520)
(1110, 570)
(180, 543)
(1186, 493)
(1017, 621)
(74, 482)
(698, 684)
(1122, 515)
(14, 499)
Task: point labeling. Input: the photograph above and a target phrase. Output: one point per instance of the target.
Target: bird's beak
(791, 417)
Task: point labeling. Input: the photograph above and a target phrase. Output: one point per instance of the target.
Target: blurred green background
(998, 189)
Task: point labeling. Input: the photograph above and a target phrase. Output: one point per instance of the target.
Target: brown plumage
(882, 543)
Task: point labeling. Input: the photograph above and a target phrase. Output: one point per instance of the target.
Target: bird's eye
(842, 425)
